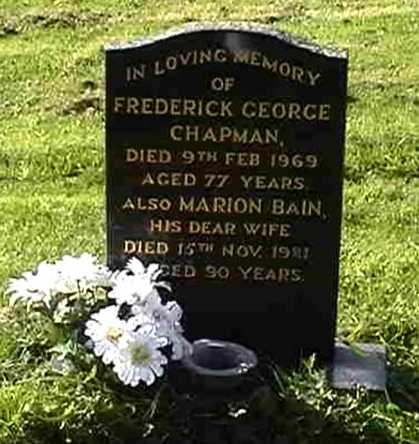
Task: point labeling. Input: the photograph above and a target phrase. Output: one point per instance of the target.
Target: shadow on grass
(403, 383)
(263, 417)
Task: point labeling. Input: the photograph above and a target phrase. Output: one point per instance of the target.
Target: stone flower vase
(216, 368)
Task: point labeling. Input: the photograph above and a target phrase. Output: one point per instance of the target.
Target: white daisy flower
(141, 318)
(134, 284)
(108, 333)
(40, 287)
(140, 359)
(168, 324)
(82, 273)
(136, 267)
(169, 313)
(152, 303)
(129, 289)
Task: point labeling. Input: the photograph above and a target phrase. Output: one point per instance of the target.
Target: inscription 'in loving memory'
(172, 62)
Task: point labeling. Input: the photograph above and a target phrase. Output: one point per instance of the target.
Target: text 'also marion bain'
(225, 205)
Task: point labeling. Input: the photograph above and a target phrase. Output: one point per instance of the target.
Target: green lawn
(52, 203)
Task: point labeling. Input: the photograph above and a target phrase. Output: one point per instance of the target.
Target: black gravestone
(224, 163)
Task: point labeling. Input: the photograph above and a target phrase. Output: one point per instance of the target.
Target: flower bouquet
(120, 316)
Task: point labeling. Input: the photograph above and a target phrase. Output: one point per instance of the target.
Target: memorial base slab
(359, 365)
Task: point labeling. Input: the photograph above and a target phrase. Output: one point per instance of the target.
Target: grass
(52, 203)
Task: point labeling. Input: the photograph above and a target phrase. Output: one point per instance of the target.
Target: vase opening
(216, 357)
(220, 359)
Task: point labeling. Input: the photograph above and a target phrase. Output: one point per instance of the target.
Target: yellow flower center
(113, 334)
(139, 354)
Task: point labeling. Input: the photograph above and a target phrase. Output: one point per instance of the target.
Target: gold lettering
(304, 207)
(174, 106)
(189, 106)
(162, 106)
(178, 270)
(192, 132)
(195, 57)
(148, 180)
(223, 134)
(171, 63)
(256, 137)
(147, 106)
(242, 251)
(185, 58)
(128, 204)
(270, 65)
(175, 109)
(205, 56)
(147, 204)
(255, 58)
(242, 158)
(281, 275)
(158, 71)
(118, 103)
(175, 133)
(208, 135)
(263, 110)
(249, 113)
(267, 229)
(241, 57)
(298, 74)
(165, 226)
(147, 156)
(145, 247)
(132, 105)
(135, 72)
(313, 77)
(221, 205)
(307, 115)
(284, 69)
(324, 112)
(220, 55)
(212, 228)
(280, 110)
(226, 109)
(294, 111)
(131, 155)
(240, 136)
(173, 179)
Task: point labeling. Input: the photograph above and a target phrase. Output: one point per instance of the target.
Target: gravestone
(224, 163)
